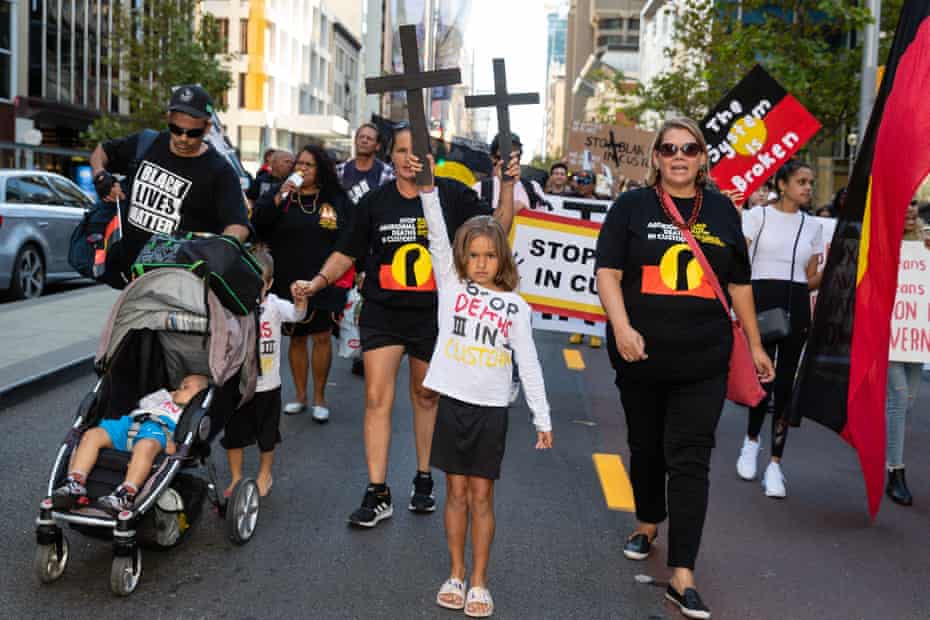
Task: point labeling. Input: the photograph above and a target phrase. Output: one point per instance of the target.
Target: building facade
(555, 82)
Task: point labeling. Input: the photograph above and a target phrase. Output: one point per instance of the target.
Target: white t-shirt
(519, 193)
(481, 334)
(274, 312)
(160, 404)
(771, 260)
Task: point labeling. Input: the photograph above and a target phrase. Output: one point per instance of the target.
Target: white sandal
(455, 587)
(294, 408)
(482, 596)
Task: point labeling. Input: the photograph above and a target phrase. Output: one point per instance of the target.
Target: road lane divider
(618, 492)
(573, 359)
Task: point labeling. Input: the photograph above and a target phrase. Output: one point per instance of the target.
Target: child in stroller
(145, 432)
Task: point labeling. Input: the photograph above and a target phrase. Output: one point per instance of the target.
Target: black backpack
(231, 272)
(91, 241)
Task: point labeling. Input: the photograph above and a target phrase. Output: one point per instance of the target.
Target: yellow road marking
(614, 482)
(573, 359)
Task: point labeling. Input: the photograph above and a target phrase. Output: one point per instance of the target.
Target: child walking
(258, 419)
(484, 329)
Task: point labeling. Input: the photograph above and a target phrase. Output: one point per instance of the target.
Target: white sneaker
(748, 456)
(774, 482)
(320, 414)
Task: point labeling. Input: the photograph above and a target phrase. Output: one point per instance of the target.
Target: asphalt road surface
(814, 555)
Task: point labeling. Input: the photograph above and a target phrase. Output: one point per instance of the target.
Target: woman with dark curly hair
(303, 223)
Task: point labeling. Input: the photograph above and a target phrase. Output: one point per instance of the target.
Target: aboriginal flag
(842, 379)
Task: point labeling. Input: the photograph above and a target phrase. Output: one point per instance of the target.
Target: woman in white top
(484, 329)
(785, 247)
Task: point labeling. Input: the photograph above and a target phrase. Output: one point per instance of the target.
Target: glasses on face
(190, 133)
(689, 149)
(584, 180)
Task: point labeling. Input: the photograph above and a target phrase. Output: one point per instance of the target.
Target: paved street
(557, 552)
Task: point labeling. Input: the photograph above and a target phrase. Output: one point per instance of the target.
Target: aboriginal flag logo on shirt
(410, 269)
(677, 274)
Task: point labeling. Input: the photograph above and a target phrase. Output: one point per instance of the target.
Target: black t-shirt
(687, 332)
(261, 184)
(169, 193)
(301, 234)
(358, 183)
(391, 244)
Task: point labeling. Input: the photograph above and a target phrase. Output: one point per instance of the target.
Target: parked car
(38, 212)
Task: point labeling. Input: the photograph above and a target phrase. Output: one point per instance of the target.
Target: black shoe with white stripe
(689, 602)
(422, 498)
(375, 507)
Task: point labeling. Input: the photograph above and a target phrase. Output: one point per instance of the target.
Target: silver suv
(38, 212)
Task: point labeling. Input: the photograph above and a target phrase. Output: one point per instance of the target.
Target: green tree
(163, 44)
(804, 44)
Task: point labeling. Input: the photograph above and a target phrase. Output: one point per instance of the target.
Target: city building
(555, 81)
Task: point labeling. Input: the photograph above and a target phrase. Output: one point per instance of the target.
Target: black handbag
(775, 323)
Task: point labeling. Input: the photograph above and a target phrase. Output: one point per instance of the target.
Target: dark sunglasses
(690, 149)
(584, 180)
(190, 133)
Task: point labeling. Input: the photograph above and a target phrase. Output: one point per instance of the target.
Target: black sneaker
(117, 501)
(689, 603)
(69, 495)
(422, 498)
(638, 547)
(375, 507)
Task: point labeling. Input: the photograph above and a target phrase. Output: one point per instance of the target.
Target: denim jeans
(903, 385)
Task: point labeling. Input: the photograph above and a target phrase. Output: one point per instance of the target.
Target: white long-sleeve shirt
(274, 312)
(481, 334)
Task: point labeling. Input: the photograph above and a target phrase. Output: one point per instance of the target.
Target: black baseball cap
(191, 99)
(514, 142)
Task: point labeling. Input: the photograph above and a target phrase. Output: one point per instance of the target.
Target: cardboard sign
(610, 152)
(910, 318)
(555, 256)
(753, 131)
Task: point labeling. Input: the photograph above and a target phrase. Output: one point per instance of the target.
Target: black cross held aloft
(502, 100)
(414, 80)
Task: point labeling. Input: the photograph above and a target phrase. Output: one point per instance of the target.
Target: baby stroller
(164, 325)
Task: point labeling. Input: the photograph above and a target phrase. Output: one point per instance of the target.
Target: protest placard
(910, 318)
(753, 131)
(612, 152)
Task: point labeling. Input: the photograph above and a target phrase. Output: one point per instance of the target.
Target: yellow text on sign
(614, 482)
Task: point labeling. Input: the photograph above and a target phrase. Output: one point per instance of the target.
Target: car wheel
(28, 274)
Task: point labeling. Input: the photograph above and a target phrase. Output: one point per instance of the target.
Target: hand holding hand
(301, 289)
(764, 367)
(543, 440)
(630, 344)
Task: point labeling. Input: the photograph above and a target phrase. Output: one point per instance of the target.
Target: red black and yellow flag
(842, 379)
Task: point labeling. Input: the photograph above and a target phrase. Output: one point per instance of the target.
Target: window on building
(632, 24)
(250, 140)
(242, 83)
(611, 23)
(223, 28)
(243, 36)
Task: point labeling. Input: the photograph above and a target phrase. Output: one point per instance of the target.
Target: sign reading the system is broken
(753, 131)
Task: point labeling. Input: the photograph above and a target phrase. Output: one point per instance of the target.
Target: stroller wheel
(125, 572)
(242, 511)
(49, 564)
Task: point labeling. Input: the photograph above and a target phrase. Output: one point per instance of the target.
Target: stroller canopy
(197, 334)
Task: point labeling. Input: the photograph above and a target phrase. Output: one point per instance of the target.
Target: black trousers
(670, 428)
(785, 354)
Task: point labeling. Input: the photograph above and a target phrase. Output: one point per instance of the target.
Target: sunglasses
(584, 180)
(690, 149)
(190, 133)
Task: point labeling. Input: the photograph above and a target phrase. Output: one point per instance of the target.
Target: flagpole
(867, 88)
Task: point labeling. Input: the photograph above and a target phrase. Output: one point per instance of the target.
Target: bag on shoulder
(97, 236)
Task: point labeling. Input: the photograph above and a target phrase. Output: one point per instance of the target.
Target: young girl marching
(484, 328)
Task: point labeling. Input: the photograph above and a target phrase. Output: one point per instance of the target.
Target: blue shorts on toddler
(118, 430)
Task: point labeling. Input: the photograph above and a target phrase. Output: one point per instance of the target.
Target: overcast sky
(517, 31)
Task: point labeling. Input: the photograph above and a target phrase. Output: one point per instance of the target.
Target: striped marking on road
(614, 482)
(573, 359)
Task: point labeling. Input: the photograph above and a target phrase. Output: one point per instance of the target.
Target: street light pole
(870, 36)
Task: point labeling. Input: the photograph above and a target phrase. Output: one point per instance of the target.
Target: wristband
(320, 274)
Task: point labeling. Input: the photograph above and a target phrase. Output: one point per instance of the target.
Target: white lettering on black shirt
(157, 194)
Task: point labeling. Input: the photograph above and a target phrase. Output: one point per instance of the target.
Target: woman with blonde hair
(669, 339)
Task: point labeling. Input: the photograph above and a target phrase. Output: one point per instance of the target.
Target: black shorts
(317, 321)
(469, 440)
(257, 420)
(415, 345)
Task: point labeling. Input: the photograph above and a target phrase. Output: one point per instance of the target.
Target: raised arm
(439, 246)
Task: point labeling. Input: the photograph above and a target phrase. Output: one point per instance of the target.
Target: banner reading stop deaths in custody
(555, 256)
(612, 152)
(753, 131)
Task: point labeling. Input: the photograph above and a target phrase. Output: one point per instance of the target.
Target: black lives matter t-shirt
(168, 193)
(391, 244)
(666, 294)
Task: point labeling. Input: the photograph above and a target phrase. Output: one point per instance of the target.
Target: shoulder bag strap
(794, 256)
(698, 254)
(755, 244)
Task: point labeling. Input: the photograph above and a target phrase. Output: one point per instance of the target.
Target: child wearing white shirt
(484, 328)
(258, 420)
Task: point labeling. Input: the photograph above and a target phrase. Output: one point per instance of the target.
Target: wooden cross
(502, 100)
(414, 80)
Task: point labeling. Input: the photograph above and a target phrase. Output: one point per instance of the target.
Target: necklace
(300, 203)
(695, 212)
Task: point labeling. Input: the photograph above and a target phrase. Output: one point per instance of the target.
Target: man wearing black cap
(179, 182)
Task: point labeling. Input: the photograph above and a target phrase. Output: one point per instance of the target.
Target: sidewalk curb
(10, 390)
